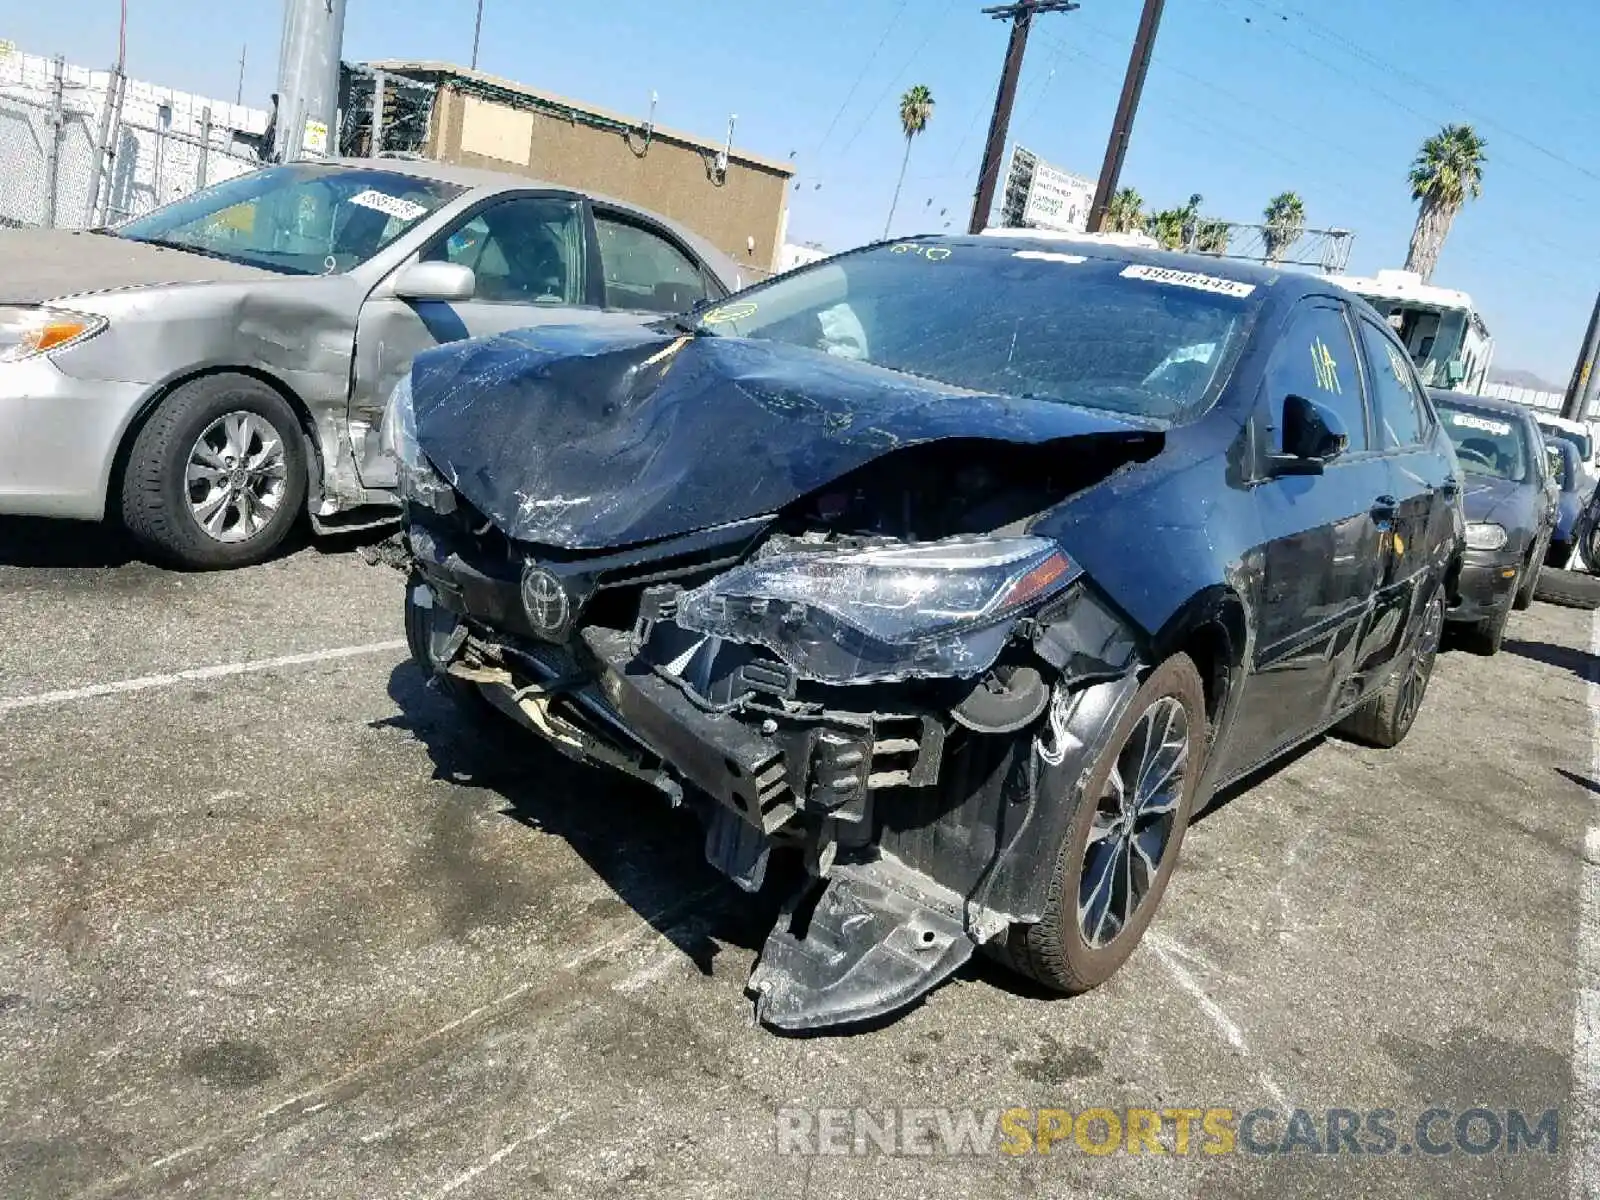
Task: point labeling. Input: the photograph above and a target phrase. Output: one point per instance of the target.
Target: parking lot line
(221, 671)
(1586, 1010)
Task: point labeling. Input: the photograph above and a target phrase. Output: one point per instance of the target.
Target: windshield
(304, 219)
(1487, 443)
(1578, 441)
(1030, 322)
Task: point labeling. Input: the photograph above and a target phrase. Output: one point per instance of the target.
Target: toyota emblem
(545, 601)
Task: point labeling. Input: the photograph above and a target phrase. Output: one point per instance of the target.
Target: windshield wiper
(190, 247)
(686, 325)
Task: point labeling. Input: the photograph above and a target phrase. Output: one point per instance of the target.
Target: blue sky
(1246, 98)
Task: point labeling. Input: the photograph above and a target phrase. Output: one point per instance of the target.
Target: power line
(883, 95)
(1361, 52)
(861, 75)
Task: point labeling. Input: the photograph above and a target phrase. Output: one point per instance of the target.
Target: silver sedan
(210, 371)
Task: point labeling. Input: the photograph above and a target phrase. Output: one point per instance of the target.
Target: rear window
(1488, 442)
(1038, 322)
(1579, 442)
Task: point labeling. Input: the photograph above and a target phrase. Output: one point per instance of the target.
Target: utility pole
(1021, 15)
(1144, 44)
(239, 96)
(308, 80)
(1583, 383)
(477, 30)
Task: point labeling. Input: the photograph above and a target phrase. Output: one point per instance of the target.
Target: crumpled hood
(1488, 498)
(49, 264)
(583, 437)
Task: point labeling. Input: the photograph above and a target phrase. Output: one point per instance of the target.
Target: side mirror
(1454, 372)
(1313, 436)
(435, 281)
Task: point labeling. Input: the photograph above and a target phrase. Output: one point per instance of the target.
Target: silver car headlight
(1485, 535)
(27, 331)
(397, 434)
(935, 610)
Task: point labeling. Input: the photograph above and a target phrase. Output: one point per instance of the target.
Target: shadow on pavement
(650, 855)
(39, 542)
(1581, 780)
(1580, 662)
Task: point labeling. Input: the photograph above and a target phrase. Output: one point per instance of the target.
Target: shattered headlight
(1485, 535)
(418, 481)
(940, 609)
(26, 331)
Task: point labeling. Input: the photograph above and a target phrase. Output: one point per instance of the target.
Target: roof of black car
(1509, 408)
(1200, 264)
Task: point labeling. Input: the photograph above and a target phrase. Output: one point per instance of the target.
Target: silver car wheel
(1133, 822)
(237, 474)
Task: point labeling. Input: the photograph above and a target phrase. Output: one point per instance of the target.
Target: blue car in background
(1569, 502)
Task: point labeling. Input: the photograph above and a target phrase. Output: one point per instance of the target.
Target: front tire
(216, 478)
(1123, 842)
(1529, 580)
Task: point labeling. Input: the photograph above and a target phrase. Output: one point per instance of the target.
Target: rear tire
(1570, 589)
(216, 478)
(1056, 951)
(1386, 718)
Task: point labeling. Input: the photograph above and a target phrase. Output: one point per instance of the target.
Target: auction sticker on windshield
(1050, 256)
(1189, 279)
(1466, 421)
(391, 206)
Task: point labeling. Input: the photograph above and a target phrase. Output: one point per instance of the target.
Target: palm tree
(1176, 228)
(916, 106)
(1166, 227)
(1285, 216)
(1125, 213)
(1212, 236)
(1447, 173)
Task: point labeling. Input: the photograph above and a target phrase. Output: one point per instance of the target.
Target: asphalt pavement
(275, 920)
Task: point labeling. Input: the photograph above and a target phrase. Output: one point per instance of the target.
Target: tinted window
(300, 220)
(1488, 442)
(528, 250)
(1040, 322)
(1396, 401)
(1316, 359)
(644, 271)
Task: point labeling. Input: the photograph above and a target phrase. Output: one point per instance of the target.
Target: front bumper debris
(912, 859)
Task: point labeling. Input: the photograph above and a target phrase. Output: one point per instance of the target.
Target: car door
(1413, 510)
(645, 269)
(530, 253)
(1319, 557)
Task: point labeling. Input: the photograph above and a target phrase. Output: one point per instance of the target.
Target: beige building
(738, 203)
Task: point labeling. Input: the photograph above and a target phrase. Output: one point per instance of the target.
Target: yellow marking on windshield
(737, 311)
(667, 351)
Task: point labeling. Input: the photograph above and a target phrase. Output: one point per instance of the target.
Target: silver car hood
(49, 264)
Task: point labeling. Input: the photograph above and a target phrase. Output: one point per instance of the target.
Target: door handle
(1385, 508)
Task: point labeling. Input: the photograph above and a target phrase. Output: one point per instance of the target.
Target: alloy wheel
(236, 477)
(1420, 669)
(1133, 822)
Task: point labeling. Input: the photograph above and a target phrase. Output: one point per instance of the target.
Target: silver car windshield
(303, 219)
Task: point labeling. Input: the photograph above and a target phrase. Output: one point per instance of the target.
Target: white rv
(1445, 334)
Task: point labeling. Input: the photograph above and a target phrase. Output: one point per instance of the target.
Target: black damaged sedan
(1510, 502)
(961, 570)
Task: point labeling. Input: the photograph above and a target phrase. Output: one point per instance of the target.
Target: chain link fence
(81, 148)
